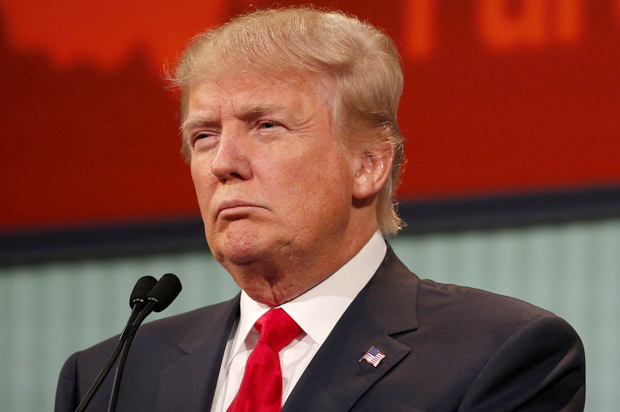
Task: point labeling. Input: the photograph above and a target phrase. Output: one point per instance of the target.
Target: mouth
(231, 209)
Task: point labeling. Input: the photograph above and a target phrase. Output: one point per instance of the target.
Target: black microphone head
(141, 291)
(165, 291)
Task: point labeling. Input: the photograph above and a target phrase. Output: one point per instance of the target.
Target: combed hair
(360, 60)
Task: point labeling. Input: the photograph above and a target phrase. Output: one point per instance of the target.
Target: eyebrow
(259, 109)
(245, 110)
(195, 121)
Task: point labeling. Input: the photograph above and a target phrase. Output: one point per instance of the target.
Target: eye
(202, 139)
(267, 124)
(201, 135)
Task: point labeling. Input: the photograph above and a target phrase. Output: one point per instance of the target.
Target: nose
(231, 160)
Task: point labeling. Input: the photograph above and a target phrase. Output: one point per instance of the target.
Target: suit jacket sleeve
(540, 368)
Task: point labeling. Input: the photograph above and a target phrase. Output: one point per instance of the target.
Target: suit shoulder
(476, 309)
(448, 308)
(468, 296)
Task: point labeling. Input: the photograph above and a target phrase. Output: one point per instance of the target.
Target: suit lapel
(336, 379)
(189, 384)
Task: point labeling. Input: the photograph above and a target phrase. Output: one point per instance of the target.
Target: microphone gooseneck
(138, 297)
(159, 298)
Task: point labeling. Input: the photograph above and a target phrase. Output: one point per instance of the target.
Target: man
(289, 125)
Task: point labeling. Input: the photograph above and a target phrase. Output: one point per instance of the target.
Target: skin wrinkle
(322, 84)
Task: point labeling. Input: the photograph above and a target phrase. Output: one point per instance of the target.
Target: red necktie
(261, 387)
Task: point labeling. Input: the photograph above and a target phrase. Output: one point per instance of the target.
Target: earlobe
(373, 169)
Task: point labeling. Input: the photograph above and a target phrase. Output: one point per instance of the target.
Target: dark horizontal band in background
(511, 210)
(422, 216)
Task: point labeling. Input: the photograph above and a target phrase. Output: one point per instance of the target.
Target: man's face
(272, 181)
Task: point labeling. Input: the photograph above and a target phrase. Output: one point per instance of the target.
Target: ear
(372, 168)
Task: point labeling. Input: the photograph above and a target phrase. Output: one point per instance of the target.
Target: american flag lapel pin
(372, 356)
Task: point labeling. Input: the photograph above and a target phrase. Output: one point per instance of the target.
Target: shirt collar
(318, 310)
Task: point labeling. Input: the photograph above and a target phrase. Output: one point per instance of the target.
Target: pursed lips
(229, 207)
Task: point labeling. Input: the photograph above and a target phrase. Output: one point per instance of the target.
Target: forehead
(250, 92)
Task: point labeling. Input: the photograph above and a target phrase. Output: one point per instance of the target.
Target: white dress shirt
(316, 311)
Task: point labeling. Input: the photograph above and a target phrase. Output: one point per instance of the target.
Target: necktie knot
(277, 329)
(261, 388)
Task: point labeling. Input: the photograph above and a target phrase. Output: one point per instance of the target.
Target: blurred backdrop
(511, 111)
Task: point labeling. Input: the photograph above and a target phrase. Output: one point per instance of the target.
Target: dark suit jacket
(447, 348)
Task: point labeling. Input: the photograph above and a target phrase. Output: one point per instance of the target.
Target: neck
(285, 276)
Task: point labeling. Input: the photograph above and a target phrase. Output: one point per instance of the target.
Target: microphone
(140, 292)
(137, 300)
(159, 298)
(138, 297)
(164, 292)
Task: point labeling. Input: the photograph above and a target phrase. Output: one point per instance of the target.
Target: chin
(239, 250)
(239, 257)
(243, 242)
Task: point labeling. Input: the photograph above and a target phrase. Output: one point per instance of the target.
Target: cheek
(323, 184)
(202, 178)
(196, 174)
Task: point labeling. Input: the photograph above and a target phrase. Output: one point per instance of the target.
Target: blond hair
(360, 60)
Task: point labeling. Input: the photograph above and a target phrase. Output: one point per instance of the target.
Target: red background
(501, 96)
